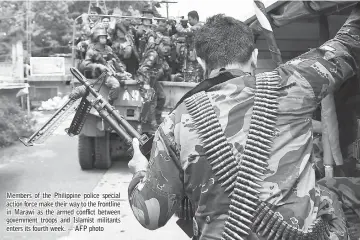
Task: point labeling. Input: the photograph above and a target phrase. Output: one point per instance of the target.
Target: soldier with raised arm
(239, 146)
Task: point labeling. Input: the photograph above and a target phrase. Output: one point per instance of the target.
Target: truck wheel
(102, 152)
(86, 152)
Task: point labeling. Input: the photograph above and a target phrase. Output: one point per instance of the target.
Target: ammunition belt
(80, 117)
(240, 178)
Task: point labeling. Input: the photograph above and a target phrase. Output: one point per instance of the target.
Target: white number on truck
(135, 95)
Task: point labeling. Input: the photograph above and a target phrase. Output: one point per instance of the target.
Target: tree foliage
(51, 22)
(12, 25)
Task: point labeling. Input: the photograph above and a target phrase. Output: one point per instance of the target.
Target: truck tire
(102, 152)
(86, 153)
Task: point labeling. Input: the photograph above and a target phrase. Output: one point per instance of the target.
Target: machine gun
(116, 121)
(107, 112)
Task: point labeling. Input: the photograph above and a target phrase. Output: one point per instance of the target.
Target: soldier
(162, 28)
(124, 47)
(192, 66)
(145, 33)
(93, 19)
(179, 60)
(208, 166)
(100, 58)
(154, 68)
(83, 43)
(105, 23)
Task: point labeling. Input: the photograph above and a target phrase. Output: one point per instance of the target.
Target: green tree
(50, 22)
(51, 26)
(12, 25)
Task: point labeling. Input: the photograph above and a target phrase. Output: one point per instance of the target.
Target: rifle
(127, 132)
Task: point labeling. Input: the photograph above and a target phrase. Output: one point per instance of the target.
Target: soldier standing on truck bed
(93, 20)
(124, 47)
(145, 32)
(99, 58)
(154, 68)
(192, 64)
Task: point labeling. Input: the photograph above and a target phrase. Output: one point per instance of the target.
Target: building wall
(44, 90)
(6, 71)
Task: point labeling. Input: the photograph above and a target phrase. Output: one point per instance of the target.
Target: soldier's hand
(138, 161)
(101, 67)
(128, 75)
(177, 77)
(124, 75)
(78, 92)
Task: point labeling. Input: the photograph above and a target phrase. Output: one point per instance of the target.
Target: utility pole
(28, 30)
(167, 7)
(28, 39)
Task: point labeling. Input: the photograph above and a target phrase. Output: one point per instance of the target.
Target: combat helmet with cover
(99, 32)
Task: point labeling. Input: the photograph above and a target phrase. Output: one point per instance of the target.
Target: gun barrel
(130, 130)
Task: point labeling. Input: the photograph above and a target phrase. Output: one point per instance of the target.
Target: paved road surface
(53, 167)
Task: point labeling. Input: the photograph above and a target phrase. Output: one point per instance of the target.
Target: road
(53, 167)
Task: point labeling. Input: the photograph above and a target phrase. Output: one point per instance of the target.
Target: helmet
(99, 32)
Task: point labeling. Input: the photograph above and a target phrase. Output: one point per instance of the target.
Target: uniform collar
(235, 72)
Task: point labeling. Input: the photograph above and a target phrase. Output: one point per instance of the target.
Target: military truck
(97, 143)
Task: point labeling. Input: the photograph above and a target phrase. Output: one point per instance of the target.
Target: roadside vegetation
(14, 123)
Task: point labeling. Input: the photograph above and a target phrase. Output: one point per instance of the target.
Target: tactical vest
(240, 177)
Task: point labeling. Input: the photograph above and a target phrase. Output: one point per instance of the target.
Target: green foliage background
(14, 123)
(50, 23)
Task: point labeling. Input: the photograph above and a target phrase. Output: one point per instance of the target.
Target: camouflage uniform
(154, 68)
(97, 55)
(146, 37)
(178, 165)
(193, 68)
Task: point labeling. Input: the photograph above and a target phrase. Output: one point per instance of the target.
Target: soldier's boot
(114, 89)
(159, 110)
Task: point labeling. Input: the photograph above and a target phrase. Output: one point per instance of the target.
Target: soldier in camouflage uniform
(154, 68)
(178, 165)
(99, 57)
(145, 32)
(124, 47)
(192, 66)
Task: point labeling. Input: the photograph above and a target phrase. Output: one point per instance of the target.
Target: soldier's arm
(179, 28)
(337, 60)
(118, 64)
(91, 57)
(150, 36)
(144, 70)
(155, 194)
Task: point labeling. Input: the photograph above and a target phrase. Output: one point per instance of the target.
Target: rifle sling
(205, 85)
